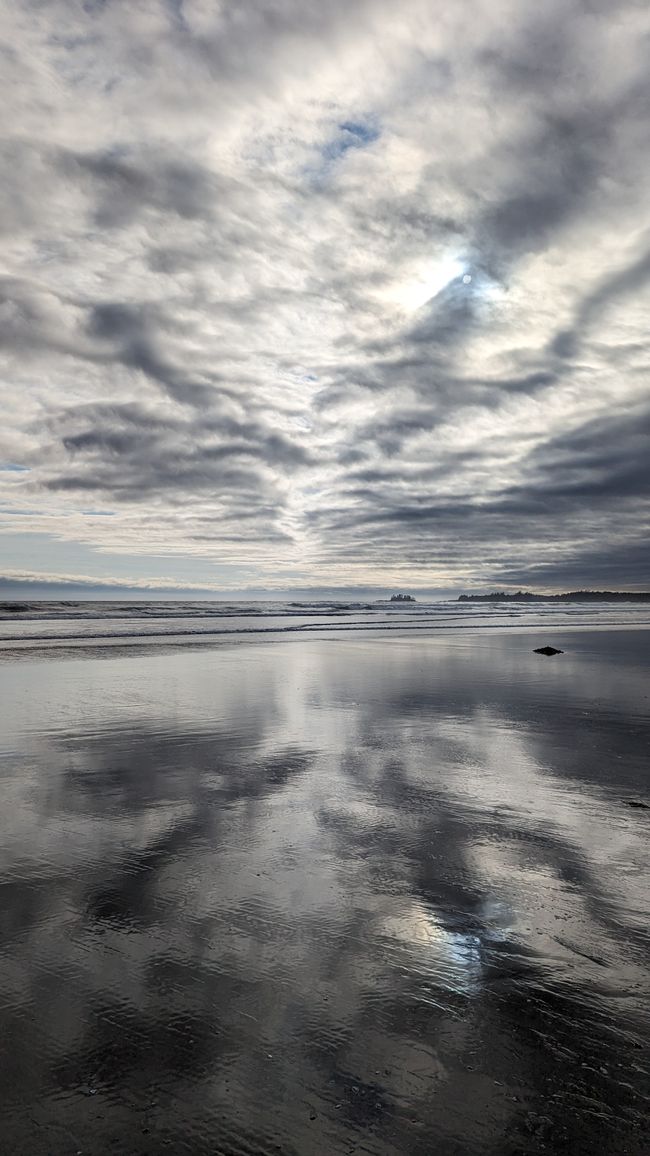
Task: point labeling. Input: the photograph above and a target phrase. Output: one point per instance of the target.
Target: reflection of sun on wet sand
(442, 957)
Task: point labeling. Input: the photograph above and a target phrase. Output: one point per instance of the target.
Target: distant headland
(402, 598)
(571, 596)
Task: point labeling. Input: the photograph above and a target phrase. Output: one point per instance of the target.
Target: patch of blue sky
(352, 134)
(13, 468)
(365, 133)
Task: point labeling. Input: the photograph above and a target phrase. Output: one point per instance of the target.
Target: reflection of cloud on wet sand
(346, 904)
(600, 844)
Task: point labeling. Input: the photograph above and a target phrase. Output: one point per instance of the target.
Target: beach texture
(381, 894)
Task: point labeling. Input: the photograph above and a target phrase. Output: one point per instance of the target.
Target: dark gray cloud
(368, 285)
(616, 564)
(631, 279)
(134, 454)
(124, 187)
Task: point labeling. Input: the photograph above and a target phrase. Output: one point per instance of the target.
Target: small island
(570, 596)
(402, 598)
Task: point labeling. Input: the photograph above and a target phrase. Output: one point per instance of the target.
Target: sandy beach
(327, 895)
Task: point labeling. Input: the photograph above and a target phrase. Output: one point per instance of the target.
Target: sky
(319, 295)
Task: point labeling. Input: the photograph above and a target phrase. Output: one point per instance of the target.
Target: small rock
(548, 650)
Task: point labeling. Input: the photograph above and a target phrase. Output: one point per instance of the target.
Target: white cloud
(234, 312)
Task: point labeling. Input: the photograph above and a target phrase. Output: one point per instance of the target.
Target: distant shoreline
(571, 596)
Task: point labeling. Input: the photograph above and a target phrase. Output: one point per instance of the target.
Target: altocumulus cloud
(328, 293)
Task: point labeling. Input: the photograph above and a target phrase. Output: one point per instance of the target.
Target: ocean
(54, 624)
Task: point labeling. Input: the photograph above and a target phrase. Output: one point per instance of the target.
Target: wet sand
(327, 896)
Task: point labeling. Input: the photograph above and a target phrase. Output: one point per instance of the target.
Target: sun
(426, 280)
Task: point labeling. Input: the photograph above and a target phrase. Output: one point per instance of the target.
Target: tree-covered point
(570, 596)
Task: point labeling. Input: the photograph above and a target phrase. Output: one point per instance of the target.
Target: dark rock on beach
(548, 650)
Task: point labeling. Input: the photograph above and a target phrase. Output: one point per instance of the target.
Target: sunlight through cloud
(425, 282)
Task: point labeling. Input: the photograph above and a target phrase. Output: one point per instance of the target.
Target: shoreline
(14, 645)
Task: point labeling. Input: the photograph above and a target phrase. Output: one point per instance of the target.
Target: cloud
(208, 314)
(38, 584)
(633, 278)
